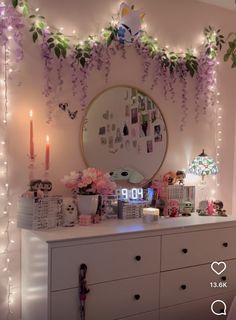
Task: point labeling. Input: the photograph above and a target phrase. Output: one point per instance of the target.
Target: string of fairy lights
(218, 113)
(6, 220)
(6, 240)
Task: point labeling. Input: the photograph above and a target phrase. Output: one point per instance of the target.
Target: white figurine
(128, 174)
(69, 211)
(129, 26)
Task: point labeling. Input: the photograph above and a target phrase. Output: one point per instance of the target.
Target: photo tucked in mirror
(124, 133)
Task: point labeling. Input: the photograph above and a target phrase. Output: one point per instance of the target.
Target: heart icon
(218, 267)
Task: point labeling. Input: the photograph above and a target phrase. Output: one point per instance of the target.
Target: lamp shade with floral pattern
(203, 165)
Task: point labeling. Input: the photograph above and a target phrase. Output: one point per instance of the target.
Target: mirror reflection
(124, 133)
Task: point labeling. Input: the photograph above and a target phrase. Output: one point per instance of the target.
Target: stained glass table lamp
(203, 165)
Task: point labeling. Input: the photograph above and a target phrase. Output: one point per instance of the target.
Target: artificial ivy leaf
(35, 36)
(52, 45)
(60, 46)
(110, 39)
(234, 64)
(50, 40)
(25, 10)
(32, 16)
(57, 52)
(41, 25)
(15, 3)
(86, 55)
(40, 31)
(228, 54)
(63, 52)
(32, 29)
(191, 70)
(82, 61)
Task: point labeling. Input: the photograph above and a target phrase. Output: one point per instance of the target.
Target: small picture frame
(144, 125)
(153, 116)
(157, 133)
(102, 131)
(134, 115)
(149, 146)
(141, 102)
(149, 104)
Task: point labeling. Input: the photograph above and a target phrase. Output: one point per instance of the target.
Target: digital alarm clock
(135, 194)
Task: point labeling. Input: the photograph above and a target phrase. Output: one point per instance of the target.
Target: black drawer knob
(185, 250)
(225, 244)
(183, 287)
(138, 258)
(223, 278)
(137, 296)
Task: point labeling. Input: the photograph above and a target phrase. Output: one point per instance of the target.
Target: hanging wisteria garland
(166, 67)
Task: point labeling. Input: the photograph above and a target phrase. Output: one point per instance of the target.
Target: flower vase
(87, 204)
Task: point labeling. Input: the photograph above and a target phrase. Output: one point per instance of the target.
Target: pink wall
(177, 23)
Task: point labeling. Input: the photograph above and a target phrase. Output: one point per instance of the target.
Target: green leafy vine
(60, 44)
(231, 51)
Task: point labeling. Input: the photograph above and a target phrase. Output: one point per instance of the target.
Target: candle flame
(31, 114)
(47, 139)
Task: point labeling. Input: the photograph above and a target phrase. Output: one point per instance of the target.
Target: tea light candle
(150, 215)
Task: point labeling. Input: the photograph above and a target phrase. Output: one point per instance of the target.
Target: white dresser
(135, 271)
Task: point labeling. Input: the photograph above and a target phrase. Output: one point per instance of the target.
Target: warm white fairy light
(5, 237)
(218, 135)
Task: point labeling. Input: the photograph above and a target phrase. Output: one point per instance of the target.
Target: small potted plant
(86, 186)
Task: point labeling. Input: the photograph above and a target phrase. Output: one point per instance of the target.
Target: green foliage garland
(60, 44)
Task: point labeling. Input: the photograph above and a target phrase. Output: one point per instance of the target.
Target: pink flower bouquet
(89, 181)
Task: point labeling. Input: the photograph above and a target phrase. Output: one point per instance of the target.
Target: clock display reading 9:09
(132, 194)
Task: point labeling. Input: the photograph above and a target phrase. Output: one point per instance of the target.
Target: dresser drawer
(154, 315)
(105, 261)
(198, 310)
(192, 283)
(110, 300)
(189, 249)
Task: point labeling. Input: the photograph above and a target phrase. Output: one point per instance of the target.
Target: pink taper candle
(47, 154)
(31, 136)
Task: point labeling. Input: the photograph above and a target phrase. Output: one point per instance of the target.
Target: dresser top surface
(135, 226)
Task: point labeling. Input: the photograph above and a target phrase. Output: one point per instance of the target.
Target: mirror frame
(144, 182)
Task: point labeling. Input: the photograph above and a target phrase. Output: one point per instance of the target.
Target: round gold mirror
(124, 133)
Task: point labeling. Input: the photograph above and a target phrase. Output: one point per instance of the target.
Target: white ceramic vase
(87, 204)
